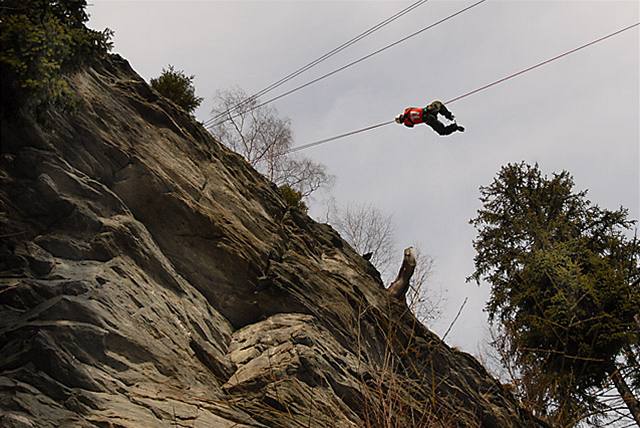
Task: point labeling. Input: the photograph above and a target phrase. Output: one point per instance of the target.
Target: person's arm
(446, 113)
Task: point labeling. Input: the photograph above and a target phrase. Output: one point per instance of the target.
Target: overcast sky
(580, 113)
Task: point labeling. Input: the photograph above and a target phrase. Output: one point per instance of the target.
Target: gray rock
(150, 277)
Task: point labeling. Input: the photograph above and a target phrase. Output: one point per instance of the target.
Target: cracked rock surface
(149, 277)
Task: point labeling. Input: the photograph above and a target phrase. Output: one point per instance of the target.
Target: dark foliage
(293, 198)
(39, 41)
(178, 87)
(563, 275)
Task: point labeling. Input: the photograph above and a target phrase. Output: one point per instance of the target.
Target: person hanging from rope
(429, 115)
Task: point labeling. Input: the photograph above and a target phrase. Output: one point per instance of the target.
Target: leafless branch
(446, 333)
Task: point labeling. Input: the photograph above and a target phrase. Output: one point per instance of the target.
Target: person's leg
(439, 127)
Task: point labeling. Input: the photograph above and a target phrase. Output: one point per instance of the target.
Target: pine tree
(41, 41)
(564, 277)
(178, 87)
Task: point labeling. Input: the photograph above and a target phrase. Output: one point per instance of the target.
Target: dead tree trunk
(625, 392)
(399, 287)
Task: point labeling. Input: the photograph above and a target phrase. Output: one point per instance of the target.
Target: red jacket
(413, 116)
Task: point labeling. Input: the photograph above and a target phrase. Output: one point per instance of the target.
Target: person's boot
(460, 128)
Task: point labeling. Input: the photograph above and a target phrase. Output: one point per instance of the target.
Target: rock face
(150, 277)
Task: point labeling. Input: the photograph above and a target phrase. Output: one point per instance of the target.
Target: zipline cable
(326, 140)
(482, 88)
(321, 58)
(353, 62)
(540, 64)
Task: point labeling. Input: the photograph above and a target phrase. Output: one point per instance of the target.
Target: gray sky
(580, 113)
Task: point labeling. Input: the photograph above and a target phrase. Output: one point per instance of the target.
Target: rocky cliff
(150, 277)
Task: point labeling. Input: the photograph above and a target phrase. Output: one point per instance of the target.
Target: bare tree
(372, 233)
(264, 139)
(425, 302)
(369, 231)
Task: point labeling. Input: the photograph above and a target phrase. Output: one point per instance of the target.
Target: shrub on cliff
(178, 87)
(39, 41)
(293, 198)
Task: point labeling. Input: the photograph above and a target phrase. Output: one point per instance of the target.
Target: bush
(39, 41)
(178, 87)
(293, 198)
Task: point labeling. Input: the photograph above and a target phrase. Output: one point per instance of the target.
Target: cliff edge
(150, 277)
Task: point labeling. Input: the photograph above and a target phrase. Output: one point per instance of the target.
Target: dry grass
(402, 391)
(401, 379)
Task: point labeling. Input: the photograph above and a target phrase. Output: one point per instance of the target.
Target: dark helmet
(434, 107)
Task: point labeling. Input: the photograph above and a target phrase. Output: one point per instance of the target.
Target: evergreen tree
(564, 277)
(41, 40)
(178, 87)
